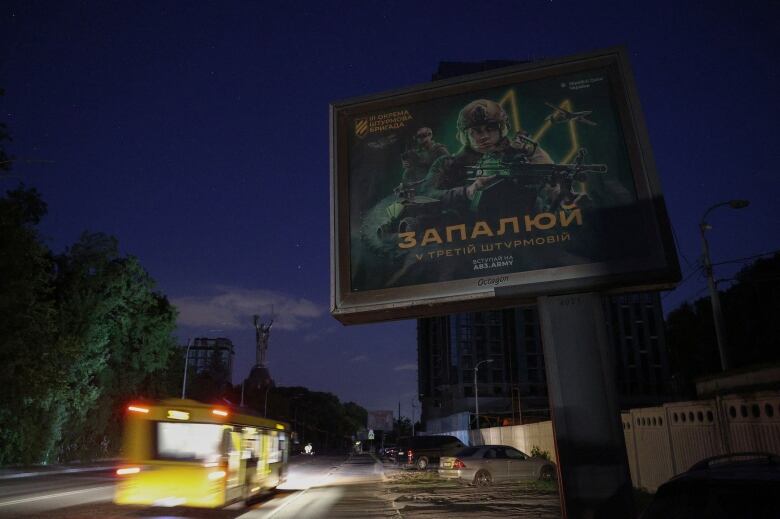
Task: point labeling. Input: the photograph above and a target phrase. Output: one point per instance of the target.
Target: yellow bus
(187, 453)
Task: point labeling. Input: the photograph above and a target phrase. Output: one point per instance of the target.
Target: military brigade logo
(361, 127)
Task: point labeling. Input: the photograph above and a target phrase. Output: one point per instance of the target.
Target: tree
(121, 333)
(356, 415)
(80, 333)
(30, 364)
(750, 306)
(317, 417)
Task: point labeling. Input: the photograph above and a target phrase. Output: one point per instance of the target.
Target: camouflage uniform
(420, 161)
(448, 177)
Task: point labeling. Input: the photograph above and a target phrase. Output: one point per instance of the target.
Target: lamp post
(186, 364)
(476, 388)
(717, 312)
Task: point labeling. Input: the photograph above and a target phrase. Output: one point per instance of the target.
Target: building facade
(511, 378)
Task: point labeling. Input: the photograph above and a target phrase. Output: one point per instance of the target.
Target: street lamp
(186, 363)
(717, 313)
(476, 388)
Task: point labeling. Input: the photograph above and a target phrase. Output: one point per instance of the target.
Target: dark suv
(421, 451)
(732, 486)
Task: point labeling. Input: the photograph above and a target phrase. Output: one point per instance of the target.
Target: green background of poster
(608, 231)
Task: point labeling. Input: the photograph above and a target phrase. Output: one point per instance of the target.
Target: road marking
(294, 497)
(51, 496)
(284, 505)
(54, 472)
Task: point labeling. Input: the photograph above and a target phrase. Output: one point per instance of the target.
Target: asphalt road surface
(38, 494)
(316, 487)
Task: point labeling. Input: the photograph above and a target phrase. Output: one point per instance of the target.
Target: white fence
(521, 437)
(664, 441)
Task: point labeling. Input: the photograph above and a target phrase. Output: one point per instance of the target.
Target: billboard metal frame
(660, 270)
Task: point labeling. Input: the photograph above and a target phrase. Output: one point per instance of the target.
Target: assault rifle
(520, 170)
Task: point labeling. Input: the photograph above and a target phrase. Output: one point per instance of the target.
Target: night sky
(197, 134)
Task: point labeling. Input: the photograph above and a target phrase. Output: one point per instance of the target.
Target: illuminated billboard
(380, 420)
(488, 190)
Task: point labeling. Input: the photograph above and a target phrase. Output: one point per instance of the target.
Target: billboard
(380, 420)
(489, 190)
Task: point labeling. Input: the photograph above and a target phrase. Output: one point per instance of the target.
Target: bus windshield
(189, 441)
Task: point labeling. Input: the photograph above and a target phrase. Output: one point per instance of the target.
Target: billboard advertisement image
(527, 181)
(380, 420)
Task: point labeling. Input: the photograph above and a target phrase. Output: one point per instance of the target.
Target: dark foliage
(316, 417)
(81, 333)
(750, 308)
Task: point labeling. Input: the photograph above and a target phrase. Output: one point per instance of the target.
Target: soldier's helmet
(482, 112)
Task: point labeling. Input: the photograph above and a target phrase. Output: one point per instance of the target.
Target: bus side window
(282, 441)
(226, 441)
(251, 446)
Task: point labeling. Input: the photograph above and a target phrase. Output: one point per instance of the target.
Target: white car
(484, 464)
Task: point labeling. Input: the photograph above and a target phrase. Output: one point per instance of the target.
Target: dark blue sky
(197, 133)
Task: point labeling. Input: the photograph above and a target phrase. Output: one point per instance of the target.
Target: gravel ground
(425, 495)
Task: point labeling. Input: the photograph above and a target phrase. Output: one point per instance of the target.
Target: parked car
(388, 452)
(421, 451)
(485, 464)
(732, 486)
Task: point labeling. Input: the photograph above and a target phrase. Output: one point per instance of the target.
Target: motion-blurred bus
(187, 453)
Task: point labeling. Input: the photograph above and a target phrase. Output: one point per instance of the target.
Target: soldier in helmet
(483, 130)
(418, 160)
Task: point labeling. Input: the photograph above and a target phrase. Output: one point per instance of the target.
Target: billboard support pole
(593, 475)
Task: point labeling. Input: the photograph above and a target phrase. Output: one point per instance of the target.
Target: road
(317, 486)
(327, 489)
(36, 494)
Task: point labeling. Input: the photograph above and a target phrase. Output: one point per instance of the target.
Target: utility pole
(186, 364)
(717, 312)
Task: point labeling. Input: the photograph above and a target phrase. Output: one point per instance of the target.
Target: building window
(654, 349)
(626, 314)
(530, 331)
(630, 351)
(640, 336)
(651, 324)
